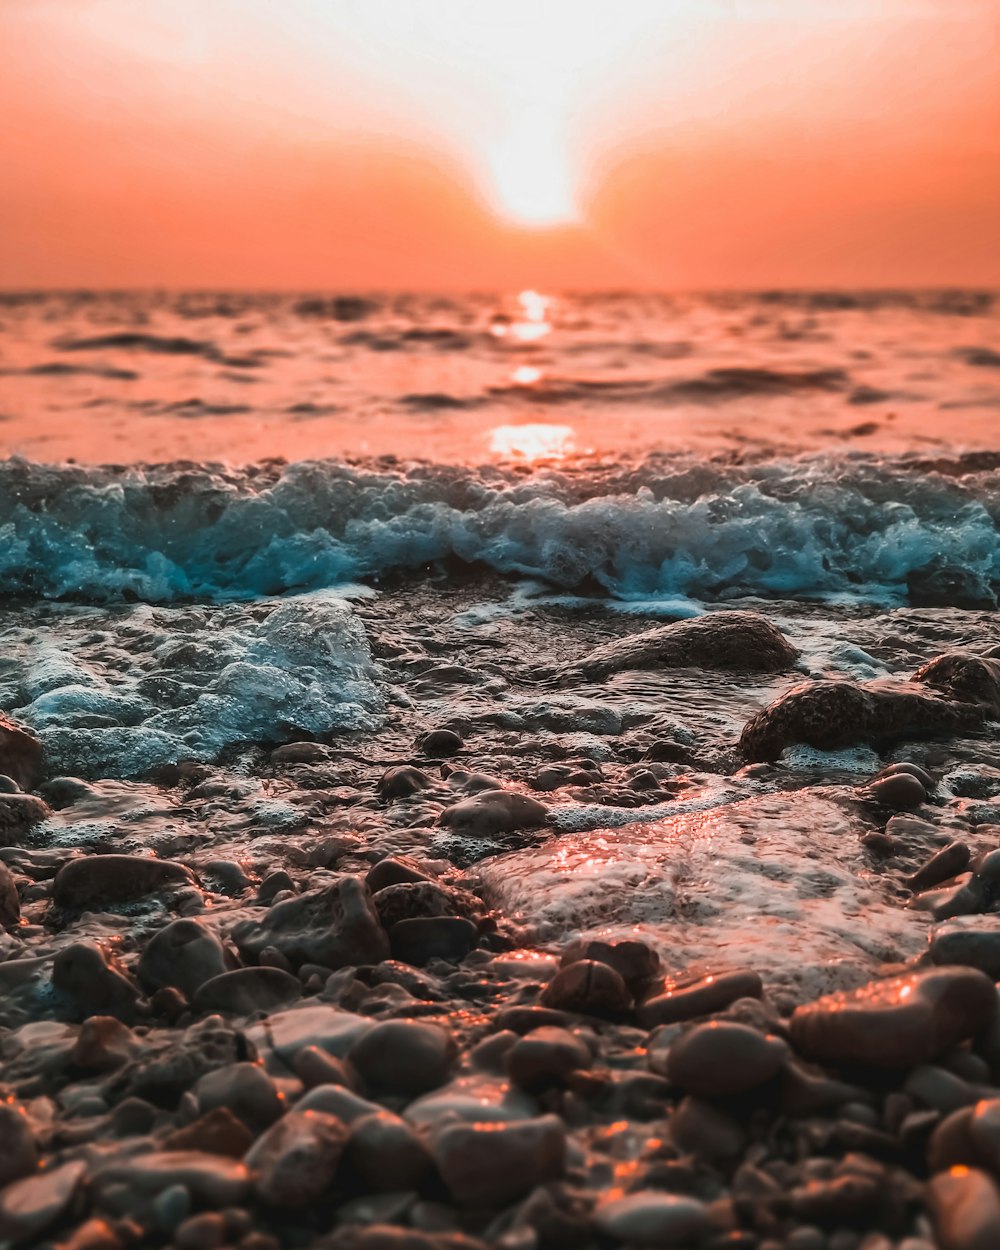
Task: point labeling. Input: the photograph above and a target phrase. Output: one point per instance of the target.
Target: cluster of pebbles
(353, 1050)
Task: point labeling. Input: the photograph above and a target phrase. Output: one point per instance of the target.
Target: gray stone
(184, 953)
(246, 990)
(650, 1218)
(721, 1058)
(965, 1207)
(405, 1057)
(492, 1165)
(18, 1152)
(100, 880)
(29, 1206)
(296, 1160)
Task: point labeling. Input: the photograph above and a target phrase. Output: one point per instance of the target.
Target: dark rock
(492, 812)
(441, 743)
(20, 753)
(703, 997)
(18, 1151)
(965, 1207)
(82, 971)
(334, 925)
(948, 862)
(185, 953)
(899, 791)
(734, 640)
(722, 1058)
(386, 1153)
(104, 1044)
(217, 1132)
(422, 939)
(99, 880)
(699, 1128)
(296, 1159)
(491, 1165)
(410, 900)
(635, 962)
(163, 1075)
(523, 1019)
(31, 1205)
(18, 814)
(300, 753)
(973, 944)
(588, 987)
(404, 1057)
(545, 1057)
(650, 1218)
(969, 679)
(402, 781)
(10, 903)
(393, 870)
(246, 990)
(896, 1023)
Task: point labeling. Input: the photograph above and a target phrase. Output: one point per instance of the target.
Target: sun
(533, 182)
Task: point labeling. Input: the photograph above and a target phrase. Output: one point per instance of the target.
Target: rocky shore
(557, 958)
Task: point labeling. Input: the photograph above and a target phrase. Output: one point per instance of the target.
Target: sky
(460, 144)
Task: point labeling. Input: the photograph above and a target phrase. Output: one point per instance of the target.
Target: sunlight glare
(532, 442)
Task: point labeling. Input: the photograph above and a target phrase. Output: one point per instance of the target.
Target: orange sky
(458, 144)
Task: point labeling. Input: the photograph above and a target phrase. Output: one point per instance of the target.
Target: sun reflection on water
(532, 442)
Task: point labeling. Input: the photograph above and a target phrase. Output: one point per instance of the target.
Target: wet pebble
(717, 1059)
(404, 1057)
(635, 962)
(493, 1164)
(423, 938)
(10, 903)
(218, 1132)
(296, 1160)
(948, 862)
(246, 990)
(650, 1218)
(545, 1057)
(31, 1205)
(589, 988)
(703, 997)
(99, 880)
(18, 1151)
(245, 1089)
(972, 943)
(494, 812)
(698, 1127)
(185, 954)
(20, 753)
(439, 744)
(103, 1044)
(896, 1023)
(899, 791)
(213, 1179)
(387, 1153)
(965, 1207)
(402, 781)
(82, 972)
(393, 870)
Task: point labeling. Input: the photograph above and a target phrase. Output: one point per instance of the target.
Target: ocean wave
(819, 526)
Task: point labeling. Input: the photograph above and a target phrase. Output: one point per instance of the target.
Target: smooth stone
(20, 753)
(900, 791)
(635, 962)
(10, 902)
(300, 753)
(103, 1044)
(273, 884)
(402, 781)
(524, 1019)
(588, 988)
(334, 925)
(721, 1058)
(965, 1208)
(493, 1164)
(82, 971)
(213, 1179)
(948, 862)
(387, 1153)
(19, 813)
(545, 1057)
(440, 743)
(18, 1151)
(973, 943)
(217, 1132)
(959, 899)
(185, 953)
(404, 1057)
(245, 1089)
(699, 998)
(984, 1133)
(650, 1218)
(328, 1028)
(476, 1099)
(938, 1088)
(29, 1206)
(393, 870)
(338, 1101)
(699, 1128)
(492, 812)
(245, 990)
(296, 1160)
(896, 1023)
(412, 900)
(423, 938)
(99, 880)
(315, 1067)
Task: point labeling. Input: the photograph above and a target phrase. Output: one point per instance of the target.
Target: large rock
(212, 1179)
(494, 811)
(184, 953)
(296, 1159)
(20, 753)
(965, 1207)
(951, 692)
(723, 1057)
(99, 880)
(488, 1165)
(246, 990)
(404, 1056)
(896, 1023)
(739, 641)
(334, 926)
(30, 1206)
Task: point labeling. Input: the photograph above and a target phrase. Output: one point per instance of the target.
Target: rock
(185, 953)
(315, 1067)
(404, 1057)
(97, 881)
(218, 1132)
(974, 943)
(300, 753)
(18, 1152)
(474, 1099)
(490, 1165)
(545, 1057)
(372, 1235)
(635, 962)
(492, 812)
(163, 1075)
(393, 870)
(703, 997)
(10, 903)
(896, 1023)
(274, 884)
(440, 743)
(948, 862)
(699, 1128)
(328, 1028)
(727, 640)
(835, 713)
(402, 781)
(104, 1044)
(386, 1153)
(900, 791)
(212, 1179)
(650, 1218)
(246, 990)
(589, 988)
(965, 1207)
(424, 938)
(245, 1089)
(20, 753)
(29, 1206)
(339, 1101)
(723, 1058)
(970, 679)
(334, 925)
(82, 971)
(18, 814)
(410, 900)
(296, 1160)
